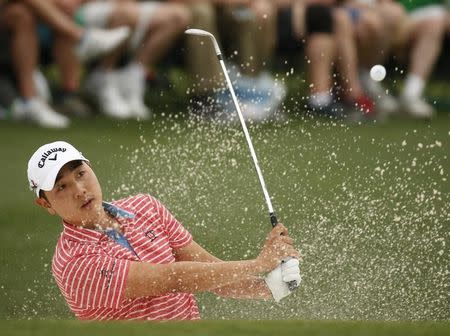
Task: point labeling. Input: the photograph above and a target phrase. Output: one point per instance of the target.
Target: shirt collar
(116, 211)
(78, 233)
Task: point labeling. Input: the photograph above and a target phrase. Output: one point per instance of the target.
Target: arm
(254, 288)
(251, 288)
(146, 279)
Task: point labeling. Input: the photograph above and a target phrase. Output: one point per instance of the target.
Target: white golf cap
(46, 163)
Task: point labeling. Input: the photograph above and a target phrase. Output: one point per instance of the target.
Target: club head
(201, 32)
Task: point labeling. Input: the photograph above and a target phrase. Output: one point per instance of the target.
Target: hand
(277, 280)
(278, 246)
(290, 272)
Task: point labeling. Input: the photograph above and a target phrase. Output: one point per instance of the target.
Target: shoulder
(63, 252)
(141, 205)
(134, 203)
(66, 251)
(138, 203)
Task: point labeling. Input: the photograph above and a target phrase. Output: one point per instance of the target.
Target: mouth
(87, 203)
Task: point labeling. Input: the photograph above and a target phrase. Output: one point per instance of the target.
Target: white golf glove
(277, 280)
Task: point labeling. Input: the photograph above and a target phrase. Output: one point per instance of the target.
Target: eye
(61, 187)
(81, 173)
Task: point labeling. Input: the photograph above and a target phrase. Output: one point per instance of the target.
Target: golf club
(273, 219)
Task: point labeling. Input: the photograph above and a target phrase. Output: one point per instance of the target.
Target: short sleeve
(96, 281)
(177, 234)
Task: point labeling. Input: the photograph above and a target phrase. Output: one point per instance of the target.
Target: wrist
(257, 266)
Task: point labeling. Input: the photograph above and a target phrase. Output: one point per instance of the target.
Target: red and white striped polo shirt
(91, 269)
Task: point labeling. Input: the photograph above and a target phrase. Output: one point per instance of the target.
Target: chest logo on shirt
(150, 234)
(108, 274)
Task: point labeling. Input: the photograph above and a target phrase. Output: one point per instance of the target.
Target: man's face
(76, 196)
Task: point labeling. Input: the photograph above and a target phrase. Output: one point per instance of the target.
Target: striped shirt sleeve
(178, 235)
(96, 281)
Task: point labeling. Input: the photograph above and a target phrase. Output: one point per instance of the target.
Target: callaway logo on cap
(46, 163)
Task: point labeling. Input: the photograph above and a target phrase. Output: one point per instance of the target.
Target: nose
(80, 190)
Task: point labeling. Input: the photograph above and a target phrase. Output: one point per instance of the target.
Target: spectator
(155, 25)
(19, 21)
(328, 35)
(68, 95)
(425, 31)
(377, 27)
(89, 44)
(8, 95)
(448, 22)
(250, 32)
(247, 30)
(8, 92)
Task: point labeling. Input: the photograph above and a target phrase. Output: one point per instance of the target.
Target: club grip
(273, 219)
(293, 285)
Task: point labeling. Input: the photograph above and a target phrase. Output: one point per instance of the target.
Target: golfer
(131, 259)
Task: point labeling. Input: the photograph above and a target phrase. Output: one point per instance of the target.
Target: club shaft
(273, 219)
(249, 143)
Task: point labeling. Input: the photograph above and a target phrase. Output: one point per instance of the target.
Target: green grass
(235, 328)
(367, 204)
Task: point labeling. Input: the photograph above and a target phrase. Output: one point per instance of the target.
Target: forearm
(251, 288)
(145, 279)
(254, 288)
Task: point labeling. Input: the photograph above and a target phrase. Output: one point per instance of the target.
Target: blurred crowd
(107, 52)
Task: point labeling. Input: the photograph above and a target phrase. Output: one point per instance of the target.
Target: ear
(44, 204)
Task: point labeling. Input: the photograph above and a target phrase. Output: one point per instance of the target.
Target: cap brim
(49, 182)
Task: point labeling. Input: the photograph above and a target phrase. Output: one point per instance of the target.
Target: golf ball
(378, 72)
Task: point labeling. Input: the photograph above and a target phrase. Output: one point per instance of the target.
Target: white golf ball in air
(378, 72)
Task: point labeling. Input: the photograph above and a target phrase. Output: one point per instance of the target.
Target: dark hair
(42, 195)
(71, 165)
